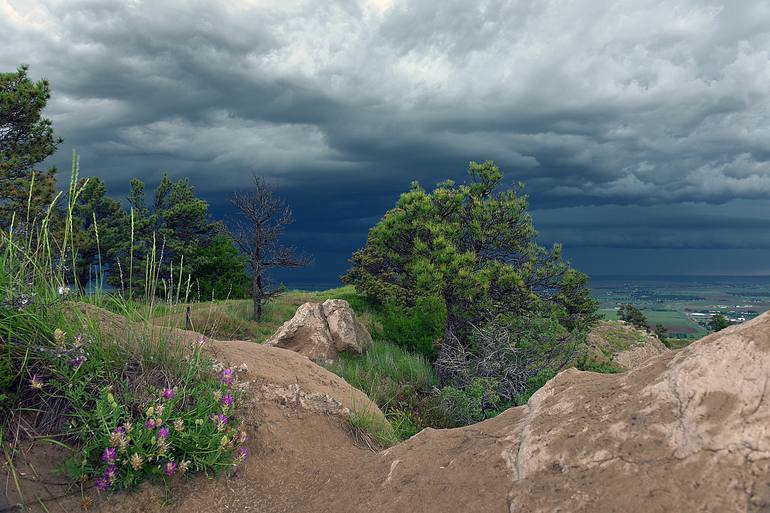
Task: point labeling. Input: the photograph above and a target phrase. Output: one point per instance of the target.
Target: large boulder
(321, 331)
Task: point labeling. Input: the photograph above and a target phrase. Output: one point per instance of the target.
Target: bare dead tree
(257, 231)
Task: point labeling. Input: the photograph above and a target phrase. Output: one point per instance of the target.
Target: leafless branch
(257, 232)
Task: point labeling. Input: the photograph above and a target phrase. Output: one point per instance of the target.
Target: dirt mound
(294, 411)
(623, 344)
(684, 431)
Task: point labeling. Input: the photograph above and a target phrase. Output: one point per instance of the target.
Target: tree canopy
(26, 139)
(632, 315)
(718, 322)
(473, 245)
(507, 299)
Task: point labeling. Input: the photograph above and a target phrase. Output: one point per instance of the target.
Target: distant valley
(685, 304)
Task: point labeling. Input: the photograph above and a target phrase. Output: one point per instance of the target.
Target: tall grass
(386, 372)
(402, 384)
(100, 384)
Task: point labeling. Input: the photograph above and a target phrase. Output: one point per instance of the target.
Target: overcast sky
(641, 128)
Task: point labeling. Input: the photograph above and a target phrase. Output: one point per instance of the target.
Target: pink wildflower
(102, 484)
(220, 420)
(168, 393)
(240, 454)
(110, 473)
(75, 363)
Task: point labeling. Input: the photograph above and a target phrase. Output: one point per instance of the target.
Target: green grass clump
(386, 371)
(592, 365)
(372, 429)
(619, 337)
(400, 382)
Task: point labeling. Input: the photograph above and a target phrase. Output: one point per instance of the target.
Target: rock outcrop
(623, 344)
(685, 431)
(321, 331)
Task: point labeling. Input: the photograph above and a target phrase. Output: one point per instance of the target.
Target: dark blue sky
(640, 127)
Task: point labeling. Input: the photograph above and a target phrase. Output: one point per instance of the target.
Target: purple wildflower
(169, 468)
(241, 454)
(219, 420)
(227, 376)
(109, 455)
(75, 363)
(110, 473)
(168, 393)
(163, 433)
(120, 430)
(151, 424)
(102, 484)
(227, 401)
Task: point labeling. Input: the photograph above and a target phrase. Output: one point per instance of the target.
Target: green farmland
(684, 304)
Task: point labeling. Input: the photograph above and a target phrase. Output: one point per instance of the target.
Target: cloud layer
(342, 103)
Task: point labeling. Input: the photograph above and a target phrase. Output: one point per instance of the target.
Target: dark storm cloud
(341, 104)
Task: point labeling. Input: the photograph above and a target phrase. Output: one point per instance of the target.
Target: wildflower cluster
(190, 426)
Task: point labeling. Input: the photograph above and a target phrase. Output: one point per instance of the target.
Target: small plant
(372, 429)
(591, 365)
